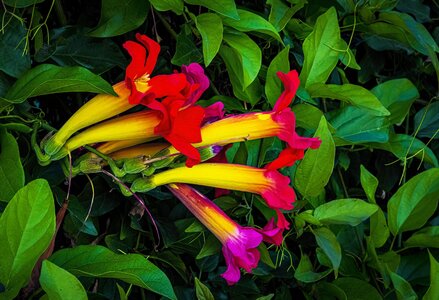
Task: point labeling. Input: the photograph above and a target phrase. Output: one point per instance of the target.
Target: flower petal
(291, 83)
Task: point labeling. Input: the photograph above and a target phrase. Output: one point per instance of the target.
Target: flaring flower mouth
(239, 243)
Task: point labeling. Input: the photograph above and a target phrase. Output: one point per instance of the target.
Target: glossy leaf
(427, 121)
(27, 226)
(251, 22)
(320, 49)
(60, 284)
(224, 7)
(304, 271)
(50, 79)
(250, 56)
(344, 211)
(397, 96)
(349, 93)
(11, 170)
(273, 85)
(426, 237)
(210, 27)
(308, 116)
(280, 13)
(414, 203)
(357, 288)
(119, 17)
(327, 240)
(315, 169)
(98, 261)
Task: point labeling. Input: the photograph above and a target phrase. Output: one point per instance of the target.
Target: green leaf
(427, 121)
(98, 261)
(433, 290)
(252, 22)
(27, 226)
(186, 51)
(354, 125)
(250, 56)
(357, 289)
(369, 183)
(404, 146)
(308, 116)
(210, 27)
(265, 256)
(50, 79)
(14, 60)
(404, 290)
(347, 57)
(397, 96)
(97, 55)
(202, 291)
(320, 49)
(273, 85)
(60, 284)
(165, 5)
(21, 3)
(119, 17)
(224, 7)
(414, 203)
(280, 13)
(426, 237)
(211, 246)
(233, 62)
(345, 211)
(327, 240)
(350, 93)
(11, 170)
(315, 169)
(304, 271)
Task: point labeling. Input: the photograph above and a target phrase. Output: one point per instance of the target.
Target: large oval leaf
(50, 79)
(344, 211)
(26, 228)
(60, 284)
(315, 169)
(98, 261)
(414, 203)
(224, 7)
(210, 27)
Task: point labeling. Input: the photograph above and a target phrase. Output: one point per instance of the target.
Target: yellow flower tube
(99, 108)
(148, 149)
(133, 126)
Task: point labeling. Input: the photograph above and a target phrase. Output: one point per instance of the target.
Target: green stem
(167, 26)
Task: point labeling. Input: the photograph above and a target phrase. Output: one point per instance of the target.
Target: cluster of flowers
(172, 114)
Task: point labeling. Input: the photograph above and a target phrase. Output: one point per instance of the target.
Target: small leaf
(426, 237)
(319, 49)
(224, 7)
(357, 289)
(427, 121)
(60, 284)
(252, 22)
(304, 271)
(27, 226)
(50, 79)
(202, 291)
(210, 27)
(414, 203)
(369, 183)
(98, 261)
(433, 290)
(165, 5)
(314, 171)
(186, 51)
(11, 170)
(344, 211)
(327, 240)
(404, 290)
(211, 246)
(273, 85)
(350, 93)
(119, 17)
(281, 14)
(249, 54)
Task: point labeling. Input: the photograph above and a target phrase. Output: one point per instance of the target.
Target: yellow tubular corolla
(149, 149)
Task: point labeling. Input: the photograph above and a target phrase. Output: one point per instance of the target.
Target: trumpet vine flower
(279, 122)
(270, 184)
(132, 126)
(239, 243)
